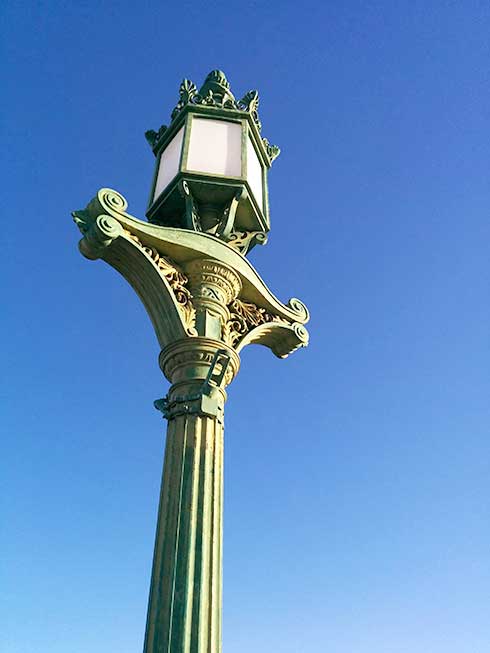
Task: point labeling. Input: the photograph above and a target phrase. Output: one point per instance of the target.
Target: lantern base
(188, 207)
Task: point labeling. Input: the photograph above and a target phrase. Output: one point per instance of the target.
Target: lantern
(212, 164)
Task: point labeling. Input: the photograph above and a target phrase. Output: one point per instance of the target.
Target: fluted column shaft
(184, 612)
(185, 602)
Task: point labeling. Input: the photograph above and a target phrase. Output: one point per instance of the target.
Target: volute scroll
(160, 284)
(192, 284)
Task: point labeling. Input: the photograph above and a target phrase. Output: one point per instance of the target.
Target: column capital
(189, 360)
(199, 370)
(192, 284)
(206, 274)
(213, 286)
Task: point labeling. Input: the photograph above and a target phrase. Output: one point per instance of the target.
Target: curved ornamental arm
(158, 282)
(187, 279)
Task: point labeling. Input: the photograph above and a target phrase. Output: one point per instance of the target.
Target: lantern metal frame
(219, 204)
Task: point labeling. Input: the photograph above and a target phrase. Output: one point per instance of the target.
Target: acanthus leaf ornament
(154, 137)
(250, 104)
(187, 91)
(234, 329)
(251, 313)
(176, 279)
(244, 316)
(215, 92)
(250, 324)
(272, 150)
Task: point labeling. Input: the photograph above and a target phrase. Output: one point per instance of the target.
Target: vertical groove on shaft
(220, 473)
(162, 561)
(215, 570)
(200, 605)
(174, 502)
(183, 543)
(185, 596)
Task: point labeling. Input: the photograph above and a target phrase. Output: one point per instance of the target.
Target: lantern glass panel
(169, 163)
(215, 147)
(255, 173)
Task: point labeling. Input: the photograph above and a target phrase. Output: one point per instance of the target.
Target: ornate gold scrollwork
(245, 316)
(250, 324)
(176, 279)
(243, 241)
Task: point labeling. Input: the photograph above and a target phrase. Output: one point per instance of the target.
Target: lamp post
(208, 207)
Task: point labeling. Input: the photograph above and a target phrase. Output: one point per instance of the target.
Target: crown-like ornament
(215, 92)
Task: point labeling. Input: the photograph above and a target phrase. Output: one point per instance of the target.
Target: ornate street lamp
(208, 207)
(211, 172)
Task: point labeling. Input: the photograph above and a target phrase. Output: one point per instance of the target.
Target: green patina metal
(192, 196)
(206, 303)
(206, 401)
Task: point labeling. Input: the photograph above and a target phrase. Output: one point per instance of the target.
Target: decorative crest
(272, 150)
(215, 92)
(250, 103)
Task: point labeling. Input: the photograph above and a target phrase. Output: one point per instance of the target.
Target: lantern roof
(216, 95)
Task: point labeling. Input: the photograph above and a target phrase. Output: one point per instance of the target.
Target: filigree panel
(176, 279)
(243, 241)
(245, 316)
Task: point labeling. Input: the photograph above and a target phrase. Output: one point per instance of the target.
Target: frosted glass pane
(169, 163)
(215, 147)
(254, 173)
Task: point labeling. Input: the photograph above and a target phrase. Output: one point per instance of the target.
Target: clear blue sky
(357, 515)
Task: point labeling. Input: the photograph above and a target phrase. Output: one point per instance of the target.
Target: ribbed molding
(184, 612)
